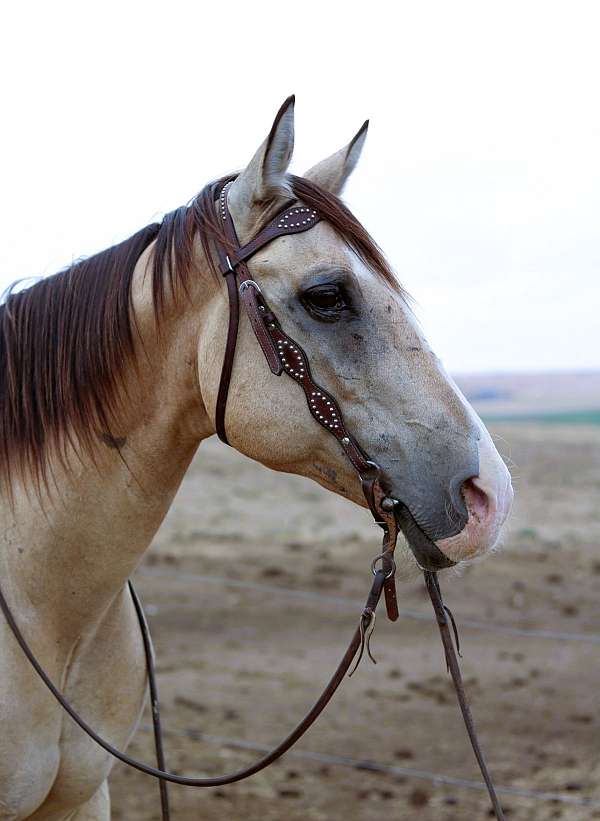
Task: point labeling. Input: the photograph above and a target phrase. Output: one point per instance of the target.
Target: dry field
(253, 587)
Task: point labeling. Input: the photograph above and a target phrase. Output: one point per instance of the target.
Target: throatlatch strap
(228, 358)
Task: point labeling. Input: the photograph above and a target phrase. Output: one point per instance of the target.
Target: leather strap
(216, 781)
(230, 346)
(440, 609)
(260, 316)
(154, 701)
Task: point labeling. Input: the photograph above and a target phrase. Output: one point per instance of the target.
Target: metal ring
(373, 470)
(382, 556)
(228, 261)
(247, 283)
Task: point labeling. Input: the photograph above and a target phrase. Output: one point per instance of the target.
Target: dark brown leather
(440, 610)
(230, 346)
(216, 781)
(238, 278)
(293, 220)
(260, 317)
(391, 598)
(154, 701)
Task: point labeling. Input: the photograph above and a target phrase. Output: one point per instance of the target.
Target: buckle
(248, 283)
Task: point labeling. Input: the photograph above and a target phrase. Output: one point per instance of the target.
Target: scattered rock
(403, 754)
(581, 718)
(418, 797)
(272, 572)
(294, 547)
(287, 792)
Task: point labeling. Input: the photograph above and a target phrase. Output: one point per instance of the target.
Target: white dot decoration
(223, 201)
(290, 219)
(322, 405)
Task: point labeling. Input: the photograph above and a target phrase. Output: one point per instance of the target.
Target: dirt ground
(253, 588)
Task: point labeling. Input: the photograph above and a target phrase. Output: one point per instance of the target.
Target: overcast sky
(480, 176)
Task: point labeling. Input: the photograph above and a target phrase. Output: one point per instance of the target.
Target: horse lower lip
(431, 564)
(427, 554)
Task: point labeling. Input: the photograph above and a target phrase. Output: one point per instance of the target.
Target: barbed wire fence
(349, 603)
(352, 604)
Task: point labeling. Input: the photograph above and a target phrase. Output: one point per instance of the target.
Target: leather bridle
(284, 354)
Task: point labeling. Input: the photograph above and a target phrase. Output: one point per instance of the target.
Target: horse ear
(332, 173)
(263, 186)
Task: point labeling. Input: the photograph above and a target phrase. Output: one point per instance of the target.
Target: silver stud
(345, 441)
(388, 503)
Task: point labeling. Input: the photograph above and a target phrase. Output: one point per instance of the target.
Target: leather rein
(284, 354)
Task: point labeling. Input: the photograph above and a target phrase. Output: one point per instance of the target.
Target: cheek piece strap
(283, 354)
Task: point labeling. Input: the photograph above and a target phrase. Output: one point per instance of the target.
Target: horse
(109, 376)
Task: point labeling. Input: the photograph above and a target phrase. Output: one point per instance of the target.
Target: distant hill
(565, 397)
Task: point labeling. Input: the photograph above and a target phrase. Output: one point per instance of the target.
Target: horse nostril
(476, 500)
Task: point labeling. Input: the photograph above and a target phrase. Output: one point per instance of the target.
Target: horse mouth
(427, 554)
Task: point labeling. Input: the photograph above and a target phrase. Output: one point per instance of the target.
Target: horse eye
(327, 300)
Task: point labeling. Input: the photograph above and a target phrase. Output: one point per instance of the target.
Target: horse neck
(78, 543)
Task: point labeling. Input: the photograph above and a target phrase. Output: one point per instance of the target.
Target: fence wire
(377, 767)
(348, 603)
(368, 765)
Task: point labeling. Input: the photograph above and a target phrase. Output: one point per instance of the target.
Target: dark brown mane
(65, 343)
